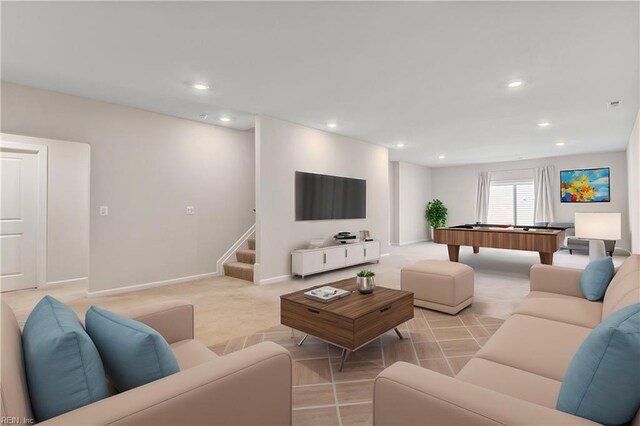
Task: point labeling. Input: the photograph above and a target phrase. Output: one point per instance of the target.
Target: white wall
(412, 192)
(147, 168)
(394, 213)
(283, 148)
(633, 169)
(456, 186)
(68, 166)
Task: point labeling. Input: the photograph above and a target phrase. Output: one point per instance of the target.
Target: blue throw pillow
(596, 278)
(63, 367)
(602, 382)
(133, 353)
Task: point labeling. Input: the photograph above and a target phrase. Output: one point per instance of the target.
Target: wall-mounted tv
(322, 197)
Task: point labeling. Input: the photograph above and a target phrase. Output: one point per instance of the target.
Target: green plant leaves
(436, 213)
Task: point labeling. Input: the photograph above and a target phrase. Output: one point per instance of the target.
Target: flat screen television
(322, 197)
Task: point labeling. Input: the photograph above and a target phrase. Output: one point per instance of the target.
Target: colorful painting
(585, 186)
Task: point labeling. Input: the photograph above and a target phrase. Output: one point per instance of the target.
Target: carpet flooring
(228, 308)
(322, 395)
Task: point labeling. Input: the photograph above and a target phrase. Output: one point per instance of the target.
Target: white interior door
(19, 195)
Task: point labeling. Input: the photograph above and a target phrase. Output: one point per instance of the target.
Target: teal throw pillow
(64, 370)
(602, 382)
(596, 278)
(133, 353)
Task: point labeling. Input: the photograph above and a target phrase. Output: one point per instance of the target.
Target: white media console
(311, 261)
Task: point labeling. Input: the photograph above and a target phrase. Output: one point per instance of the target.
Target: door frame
(41, 153)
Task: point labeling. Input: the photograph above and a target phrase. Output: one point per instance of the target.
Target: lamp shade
(598, 226)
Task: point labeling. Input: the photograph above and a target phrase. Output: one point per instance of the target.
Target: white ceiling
(430, 75)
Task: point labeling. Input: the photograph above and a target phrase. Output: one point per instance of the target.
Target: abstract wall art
(585, 186)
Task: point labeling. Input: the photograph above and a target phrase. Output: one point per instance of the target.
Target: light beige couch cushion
(563, 308)
(511, 381)
(190, 353)
(536, 345)
(14, 394)
(623, 291)
(406, 394)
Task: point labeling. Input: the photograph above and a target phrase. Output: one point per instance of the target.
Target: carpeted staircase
(242, 268)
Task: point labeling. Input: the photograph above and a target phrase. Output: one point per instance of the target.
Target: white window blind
(500, 204)
(511, 202)
(525, 203)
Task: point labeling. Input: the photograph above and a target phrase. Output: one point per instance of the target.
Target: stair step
(246, 256)
(243, 271)
(252, 243)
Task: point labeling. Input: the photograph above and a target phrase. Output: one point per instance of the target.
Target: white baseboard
(273, 280)
(406, 243)
(81, 280)
(144, 286)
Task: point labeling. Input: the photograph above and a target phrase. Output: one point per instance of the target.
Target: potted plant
(365, 281)
(436, 215)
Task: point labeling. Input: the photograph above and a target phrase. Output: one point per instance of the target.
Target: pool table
(543, 239)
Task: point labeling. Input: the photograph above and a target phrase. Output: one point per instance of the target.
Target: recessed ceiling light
(225, 119)
(559, 143)
(514, 84)
(544, 124)
(204, 116)
(332, 125)
(400, 145)
(441, 156)
(200, 86)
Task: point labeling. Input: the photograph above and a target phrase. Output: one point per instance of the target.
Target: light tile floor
(322, 395)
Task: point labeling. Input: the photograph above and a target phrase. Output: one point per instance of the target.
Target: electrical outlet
(191, 210)
(104, 211)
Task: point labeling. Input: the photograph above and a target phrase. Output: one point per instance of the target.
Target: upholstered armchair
(248, 387)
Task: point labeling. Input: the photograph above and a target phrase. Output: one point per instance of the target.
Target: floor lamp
(597, 227)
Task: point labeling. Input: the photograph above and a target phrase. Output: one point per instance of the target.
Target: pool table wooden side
(544, 242)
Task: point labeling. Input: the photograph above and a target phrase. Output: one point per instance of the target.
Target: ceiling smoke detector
(614, 104)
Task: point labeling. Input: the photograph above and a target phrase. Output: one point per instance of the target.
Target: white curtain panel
(482, 197)
(544, 197)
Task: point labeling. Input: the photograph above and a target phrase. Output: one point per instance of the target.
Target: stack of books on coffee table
(326, 294)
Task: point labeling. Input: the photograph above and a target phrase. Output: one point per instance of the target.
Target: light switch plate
(104, 211)
(191, 210)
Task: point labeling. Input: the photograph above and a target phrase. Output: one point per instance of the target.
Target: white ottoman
(439, 285)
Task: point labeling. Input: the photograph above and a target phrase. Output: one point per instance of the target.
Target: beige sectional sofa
(516, 376)
(248, 387)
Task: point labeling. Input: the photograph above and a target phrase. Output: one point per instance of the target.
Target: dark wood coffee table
(350, 322)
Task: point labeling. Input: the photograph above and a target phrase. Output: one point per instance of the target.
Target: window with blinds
(511, 202)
